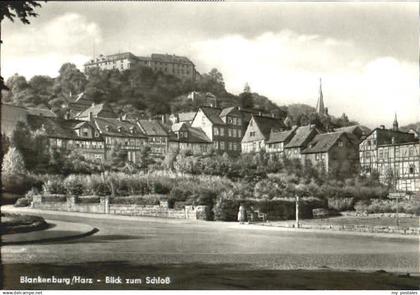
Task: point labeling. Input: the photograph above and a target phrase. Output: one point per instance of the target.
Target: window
(216, 144)
(230, 132)
(411, 151)
(222, 131)
(239, 133)
(340, 143)
(252, 133)
(222, 145)
(216, 131)
(411, 169)
(239, 121)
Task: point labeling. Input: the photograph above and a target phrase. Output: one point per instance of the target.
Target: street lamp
(298, 190)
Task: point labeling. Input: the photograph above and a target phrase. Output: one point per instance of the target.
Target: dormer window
(132, 130)
(120, 129)
(107, 128)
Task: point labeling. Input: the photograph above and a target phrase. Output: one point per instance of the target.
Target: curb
(64, 238)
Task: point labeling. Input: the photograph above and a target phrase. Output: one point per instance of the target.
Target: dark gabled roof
(385, 136)
(323, 142)
(98, 110)
(114, 124)
(186, 116)
(266, 124)
(178, 126)
(152, 127)
(195, 135)
(57, 128)
(41, 112)
(170, 58)
(282, 136)
(227, 111)
(352, 128)
(247, 113)
(80, 103)
(212, 114)
(301, 136)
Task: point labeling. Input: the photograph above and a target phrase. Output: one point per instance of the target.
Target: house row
(332, 151)
(394, 155)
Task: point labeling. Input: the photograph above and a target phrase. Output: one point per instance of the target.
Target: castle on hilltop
(178, 66)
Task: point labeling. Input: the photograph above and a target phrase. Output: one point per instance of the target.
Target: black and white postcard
(210, 145)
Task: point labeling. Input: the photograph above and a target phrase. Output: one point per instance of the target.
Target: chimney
(93, 104)
(239, 108)
(163, 119)
(260, 114)
(393, 140)
(382, 127)
(90, 116)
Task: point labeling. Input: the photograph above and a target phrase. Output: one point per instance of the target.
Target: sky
(366, 53)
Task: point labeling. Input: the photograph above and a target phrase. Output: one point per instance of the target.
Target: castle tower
(320, 108)
(395, 124)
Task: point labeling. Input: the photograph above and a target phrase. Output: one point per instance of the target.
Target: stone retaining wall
(105, 207)
(363, 228)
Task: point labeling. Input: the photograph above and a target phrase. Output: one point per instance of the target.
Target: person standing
(241, 214)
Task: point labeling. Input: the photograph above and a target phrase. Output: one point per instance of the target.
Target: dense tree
(33, 146)
(13, 162)
(246, 100)
(70, 81)
(212, 82)
(20, 9)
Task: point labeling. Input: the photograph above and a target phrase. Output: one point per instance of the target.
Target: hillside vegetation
(140, 91)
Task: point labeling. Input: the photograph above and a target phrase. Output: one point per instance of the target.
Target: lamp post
(297, 211)
(298, 191)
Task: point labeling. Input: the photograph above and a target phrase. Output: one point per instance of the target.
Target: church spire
(395, 124)
(320, 108)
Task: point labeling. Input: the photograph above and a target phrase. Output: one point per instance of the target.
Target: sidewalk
(231, 225)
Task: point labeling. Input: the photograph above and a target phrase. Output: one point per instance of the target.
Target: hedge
(227, 209)
(54, 198)
(138, 200)
(19, 183)
(388, 206)
(88, 200)
(15, 223)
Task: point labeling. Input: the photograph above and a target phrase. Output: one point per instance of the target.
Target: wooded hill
(140, 90)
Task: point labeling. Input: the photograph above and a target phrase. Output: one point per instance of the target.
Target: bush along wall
(227, 209)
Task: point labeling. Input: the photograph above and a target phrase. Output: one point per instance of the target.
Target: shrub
(226, 209)
(137, 200)
(163, 187)
(341, 204)
(88, 200)
(101, 189)
(22, 202)
(54, 198)
(19, 183)
(54, 185)
(387, 206)
(73, 185)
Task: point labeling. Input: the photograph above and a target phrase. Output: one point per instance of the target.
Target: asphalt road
(148, 242)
